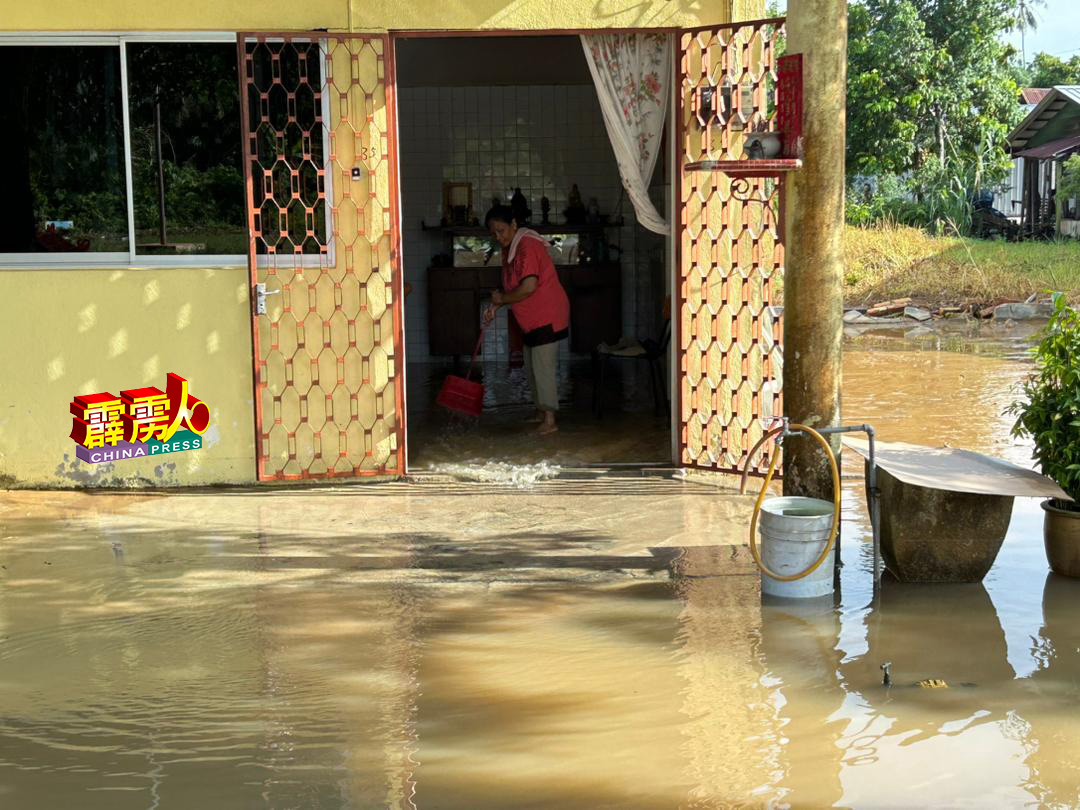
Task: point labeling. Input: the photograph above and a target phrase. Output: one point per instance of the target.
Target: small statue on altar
(520, 206)
(545, 210)
(575, 209)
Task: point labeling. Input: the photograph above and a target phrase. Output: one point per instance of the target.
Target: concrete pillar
(813, 284)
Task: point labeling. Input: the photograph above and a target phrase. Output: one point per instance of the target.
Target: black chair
(648, 351)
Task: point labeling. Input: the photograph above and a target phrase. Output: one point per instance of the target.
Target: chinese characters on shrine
(140, 422)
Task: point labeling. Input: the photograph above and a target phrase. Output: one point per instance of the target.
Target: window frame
(127, 260)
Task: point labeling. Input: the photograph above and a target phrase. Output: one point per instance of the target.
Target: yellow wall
(69, 332)
(213, 15)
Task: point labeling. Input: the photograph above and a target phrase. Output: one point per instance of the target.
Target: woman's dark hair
(499, 213)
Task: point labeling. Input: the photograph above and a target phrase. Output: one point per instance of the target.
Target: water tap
(886, 676)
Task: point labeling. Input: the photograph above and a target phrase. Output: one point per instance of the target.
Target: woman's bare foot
(548, 426)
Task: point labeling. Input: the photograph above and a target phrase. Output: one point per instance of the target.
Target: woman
(530, 286)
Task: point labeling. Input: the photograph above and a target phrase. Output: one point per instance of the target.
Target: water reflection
(1052, 759)
(944, 632)
(798, 643)
(354, 649)
(732, 740)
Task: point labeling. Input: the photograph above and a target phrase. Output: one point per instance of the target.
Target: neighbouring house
(1048, 135)
(1007, 196)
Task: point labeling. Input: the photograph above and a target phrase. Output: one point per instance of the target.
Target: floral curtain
(632, 74)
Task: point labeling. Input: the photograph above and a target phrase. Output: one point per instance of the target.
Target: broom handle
(476, 352)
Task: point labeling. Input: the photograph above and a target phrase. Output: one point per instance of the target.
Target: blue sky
(1058, 31)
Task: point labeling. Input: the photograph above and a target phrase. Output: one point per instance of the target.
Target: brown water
(473, 648)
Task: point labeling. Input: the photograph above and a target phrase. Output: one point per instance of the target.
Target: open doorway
(479, 119)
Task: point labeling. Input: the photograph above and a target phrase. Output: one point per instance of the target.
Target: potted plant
(1050, 415)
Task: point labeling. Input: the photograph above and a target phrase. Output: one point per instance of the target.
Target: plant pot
(1061, 536)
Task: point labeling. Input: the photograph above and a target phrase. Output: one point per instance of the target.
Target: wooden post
(813, 286)
(162, 235)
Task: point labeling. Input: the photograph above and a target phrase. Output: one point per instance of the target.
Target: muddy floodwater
(463, 646)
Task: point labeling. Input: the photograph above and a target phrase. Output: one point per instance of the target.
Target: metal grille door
(320, 164)
(731, 252)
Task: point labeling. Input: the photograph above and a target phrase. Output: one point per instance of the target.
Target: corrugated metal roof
(1033, 95)
(1070, 90)
(1052, 103)
(1053, 149)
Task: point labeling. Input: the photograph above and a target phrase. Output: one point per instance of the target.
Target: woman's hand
(489, 313)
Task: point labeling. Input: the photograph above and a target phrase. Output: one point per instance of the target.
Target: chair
(648, 351)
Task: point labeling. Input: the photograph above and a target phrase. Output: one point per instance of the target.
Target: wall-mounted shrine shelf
(552, 228)
(746, 168)
(456, 294)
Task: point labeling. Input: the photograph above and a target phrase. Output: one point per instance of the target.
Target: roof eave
(1020, 136)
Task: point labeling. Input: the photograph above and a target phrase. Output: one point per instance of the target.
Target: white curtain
(632, 74)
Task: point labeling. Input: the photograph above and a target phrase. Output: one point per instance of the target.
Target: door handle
(260, 298)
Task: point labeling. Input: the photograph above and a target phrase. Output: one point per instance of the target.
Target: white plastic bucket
(792, 534)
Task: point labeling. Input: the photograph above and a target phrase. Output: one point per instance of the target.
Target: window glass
(63, 146)
(285, 105)
(185, 149)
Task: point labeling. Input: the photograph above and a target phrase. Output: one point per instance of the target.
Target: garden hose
(761, 499)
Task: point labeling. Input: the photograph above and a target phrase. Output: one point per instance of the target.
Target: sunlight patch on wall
(55, 370)
(118, 343)
(87, 318)
(183, 317)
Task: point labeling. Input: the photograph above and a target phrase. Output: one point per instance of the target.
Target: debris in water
(889, 307)
(519, 476)
(933, 683)
(886, 676)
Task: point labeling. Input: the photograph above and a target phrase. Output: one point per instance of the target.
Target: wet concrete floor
(631, 429)
(443, 644)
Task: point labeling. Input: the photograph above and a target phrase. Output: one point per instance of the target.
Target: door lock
(260, 298)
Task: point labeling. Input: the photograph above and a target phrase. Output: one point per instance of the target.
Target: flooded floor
(448, 645)
(631, 429)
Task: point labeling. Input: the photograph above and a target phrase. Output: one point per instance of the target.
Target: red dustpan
(461, 394)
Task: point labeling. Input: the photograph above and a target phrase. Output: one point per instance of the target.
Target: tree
(1024, 18)
(930, 90)
(1047, 70)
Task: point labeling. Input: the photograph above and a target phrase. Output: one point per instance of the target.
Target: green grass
(223, 241)
(885, 262)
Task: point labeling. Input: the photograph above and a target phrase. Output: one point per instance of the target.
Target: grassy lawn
(222, 241)
(886, 262)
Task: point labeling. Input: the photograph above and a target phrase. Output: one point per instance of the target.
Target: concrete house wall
(77, 330)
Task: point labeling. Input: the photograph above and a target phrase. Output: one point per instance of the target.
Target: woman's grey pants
(542, 365)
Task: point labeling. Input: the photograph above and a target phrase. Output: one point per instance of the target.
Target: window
(162, 182)
(187, 178)
(287, 111)
(63, 142)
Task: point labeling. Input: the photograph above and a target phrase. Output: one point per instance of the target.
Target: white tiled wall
(541, 138)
